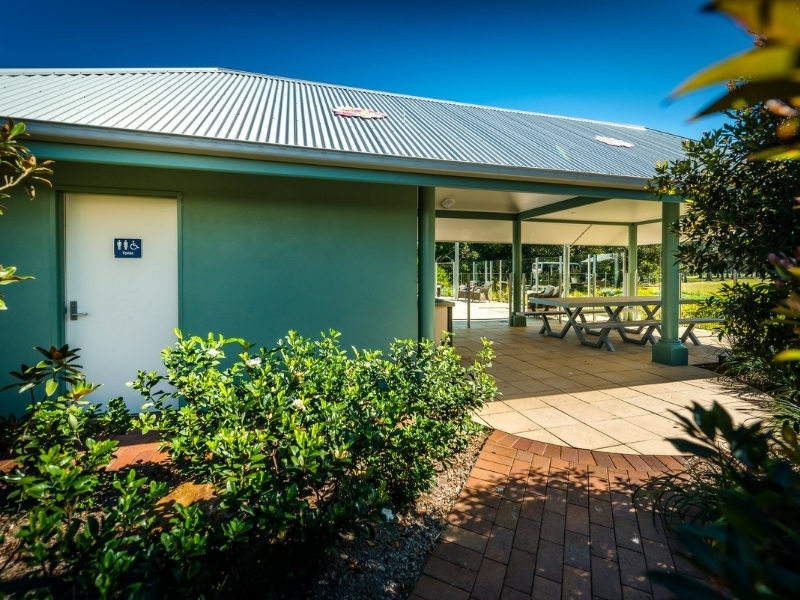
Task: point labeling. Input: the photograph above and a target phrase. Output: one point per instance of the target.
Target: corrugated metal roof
(223, 104)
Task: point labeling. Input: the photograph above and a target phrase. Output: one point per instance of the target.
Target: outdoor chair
(548, 292)
(474, 293)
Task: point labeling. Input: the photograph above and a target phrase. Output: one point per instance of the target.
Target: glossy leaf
(771, 62)
(751, 93)
(776, 20)
(778, 153)
(692, 447)
(788, 355)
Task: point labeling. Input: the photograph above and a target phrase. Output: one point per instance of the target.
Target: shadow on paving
(557, 391)
(544, 521)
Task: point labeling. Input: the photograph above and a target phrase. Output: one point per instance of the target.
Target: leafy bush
(68, 419)
(290, 447)
(755, 334)
(84, 531)
(445, 280)
(303, 442)
(748, 311)
(736, 512)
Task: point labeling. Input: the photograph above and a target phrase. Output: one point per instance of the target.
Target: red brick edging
(135, 448)
(542, 521)
(624, 462)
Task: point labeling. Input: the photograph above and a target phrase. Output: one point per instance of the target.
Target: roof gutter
(164, 142)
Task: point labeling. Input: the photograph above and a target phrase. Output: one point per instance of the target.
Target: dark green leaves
(292, 447)
(738, 511)
(304, 442)
(739, 211)
(750, 94)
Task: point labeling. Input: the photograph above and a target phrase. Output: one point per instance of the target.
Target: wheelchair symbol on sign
(134, 246)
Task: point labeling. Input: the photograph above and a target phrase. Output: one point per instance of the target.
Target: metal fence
(587, 275)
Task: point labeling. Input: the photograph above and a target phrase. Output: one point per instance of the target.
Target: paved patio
(558, 391)
(547, 522)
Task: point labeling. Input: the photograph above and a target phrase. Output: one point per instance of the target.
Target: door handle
(73, 311)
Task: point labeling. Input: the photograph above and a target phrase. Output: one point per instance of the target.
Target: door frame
(61, 240)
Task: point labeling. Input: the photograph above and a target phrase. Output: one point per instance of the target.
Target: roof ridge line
(103, 70)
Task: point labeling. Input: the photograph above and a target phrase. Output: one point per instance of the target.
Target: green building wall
(259, 255)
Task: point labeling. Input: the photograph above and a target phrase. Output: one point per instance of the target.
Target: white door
(121, 270)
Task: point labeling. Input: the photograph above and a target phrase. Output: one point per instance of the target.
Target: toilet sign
(127, 248)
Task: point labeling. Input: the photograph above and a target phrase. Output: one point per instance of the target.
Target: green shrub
(445, 280)
(736, 512)
(747, 311)
(83, 531)
(755, 334)
(301, 444)
(305, 443)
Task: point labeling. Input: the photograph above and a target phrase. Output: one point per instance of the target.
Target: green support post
(426, 263)
(517, 318)
(633, 260)
(669, 350)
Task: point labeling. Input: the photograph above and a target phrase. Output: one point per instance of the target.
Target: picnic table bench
(613, 306)
(693, 322)
(687, 335)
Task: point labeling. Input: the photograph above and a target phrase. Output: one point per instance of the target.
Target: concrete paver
(557, 391)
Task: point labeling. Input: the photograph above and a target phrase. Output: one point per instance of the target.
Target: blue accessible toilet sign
(127, 248)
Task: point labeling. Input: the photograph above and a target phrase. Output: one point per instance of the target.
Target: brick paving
(135, 448)
(546, 521)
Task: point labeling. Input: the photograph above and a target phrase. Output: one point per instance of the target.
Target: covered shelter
(261, 204)
(604, 218)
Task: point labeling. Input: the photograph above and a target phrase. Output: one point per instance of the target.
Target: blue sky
(615, 60)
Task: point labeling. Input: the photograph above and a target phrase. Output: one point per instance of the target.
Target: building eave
(181, 144)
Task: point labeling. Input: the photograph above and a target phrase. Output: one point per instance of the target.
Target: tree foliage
(737, 510)
(744, 535)
(768, 73)
(649, 256)
(17, 167)
(739, 210)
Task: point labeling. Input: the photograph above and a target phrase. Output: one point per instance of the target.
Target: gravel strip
(389, 565)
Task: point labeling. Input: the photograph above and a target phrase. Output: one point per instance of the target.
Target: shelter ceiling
(616, 211)
(495, 201)
(621, 211)
(499, 232)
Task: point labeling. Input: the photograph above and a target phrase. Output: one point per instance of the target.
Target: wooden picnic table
(613, 306)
